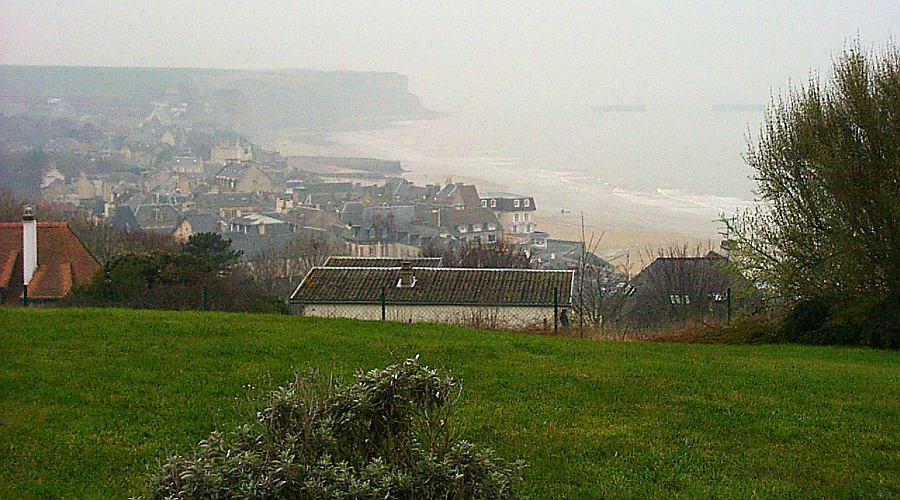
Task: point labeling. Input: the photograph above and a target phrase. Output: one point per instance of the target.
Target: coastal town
(167, 170)
(168, 176)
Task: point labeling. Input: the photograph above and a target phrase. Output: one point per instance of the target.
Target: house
(193, 224)
(680, 288)
(515, 211)
(349, 261)
(311, 217)
(157, 217)
(326, 195)
(244, 177)
(473, 225)
(405, 192)
(260, 225)
(383, 231)
(231, 151)
(458, 196)
(122, 217)
(47, 257)
(550, 253)
(187, 165)
(87, 189)
(234, 205)
(489, 297)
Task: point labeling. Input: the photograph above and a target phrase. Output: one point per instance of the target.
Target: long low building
(514, 298)
(349, 261)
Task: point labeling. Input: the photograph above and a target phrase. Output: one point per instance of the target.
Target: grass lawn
(90, 398)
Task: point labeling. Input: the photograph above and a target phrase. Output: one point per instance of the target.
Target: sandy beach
(630, 220)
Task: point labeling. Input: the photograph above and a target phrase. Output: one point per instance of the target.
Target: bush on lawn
(387, 435)
(871, 323)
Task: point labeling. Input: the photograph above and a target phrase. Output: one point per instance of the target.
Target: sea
(674, 169)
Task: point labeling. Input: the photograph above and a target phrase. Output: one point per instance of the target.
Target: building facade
(491, 298)
(516, 212)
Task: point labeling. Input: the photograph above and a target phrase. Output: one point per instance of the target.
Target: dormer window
(517, 203)
(527, 202)
(407, 276)
(493, 203)
(484, 203)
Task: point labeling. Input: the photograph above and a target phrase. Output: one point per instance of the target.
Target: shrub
(863, 322)
(387, 435)
(172, 280)
(761, 329)
(805, 318)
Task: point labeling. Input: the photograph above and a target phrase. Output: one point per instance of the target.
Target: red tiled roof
(6, 268)
(63, 261)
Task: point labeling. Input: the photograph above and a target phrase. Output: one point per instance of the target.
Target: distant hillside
(245, 100)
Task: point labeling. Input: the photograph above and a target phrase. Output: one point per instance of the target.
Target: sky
(462, 55)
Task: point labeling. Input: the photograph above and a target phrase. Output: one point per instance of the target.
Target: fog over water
(673, 169)
(519, 79)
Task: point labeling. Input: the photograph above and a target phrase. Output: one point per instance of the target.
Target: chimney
(407, 278)
(29, 244)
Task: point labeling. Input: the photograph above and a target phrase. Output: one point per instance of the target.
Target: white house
(515, 211)
(495, 298)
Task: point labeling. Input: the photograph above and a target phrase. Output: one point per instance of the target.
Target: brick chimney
(407, 277)
(29, 244)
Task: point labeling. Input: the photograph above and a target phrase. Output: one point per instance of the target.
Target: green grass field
(90, 398)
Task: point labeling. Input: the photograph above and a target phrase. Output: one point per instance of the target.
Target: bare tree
(279, 268)
(602, 291)
(103, 240)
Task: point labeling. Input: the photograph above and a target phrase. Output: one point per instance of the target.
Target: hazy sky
(468, 54)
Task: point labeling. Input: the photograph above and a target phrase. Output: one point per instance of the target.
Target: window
(484, 203)
(517, 203)
(463, 228)
(527, 202)
(516, 217)
(680, 299)
(493, 203)
(492, 238)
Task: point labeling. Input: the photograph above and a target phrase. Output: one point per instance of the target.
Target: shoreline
(631, 220)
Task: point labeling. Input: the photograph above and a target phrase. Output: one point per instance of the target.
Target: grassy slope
(88, 398)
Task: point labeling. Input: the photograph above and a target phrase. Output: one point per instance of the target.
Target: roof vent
(407, 278)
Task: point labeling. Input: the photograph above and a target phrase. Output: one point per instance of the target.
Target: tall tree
(827, 164)
(214, 250)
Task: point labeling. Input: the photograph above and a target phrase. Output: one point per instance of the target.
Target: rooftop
(435, 286)
(63, 261)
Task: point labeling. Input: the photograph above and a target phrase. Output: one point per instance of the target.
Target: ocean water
(674, 169)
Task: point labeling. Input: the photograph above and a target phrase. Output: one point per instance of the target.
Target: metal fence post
(555, 310)
(204, 297)
(383, 306)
